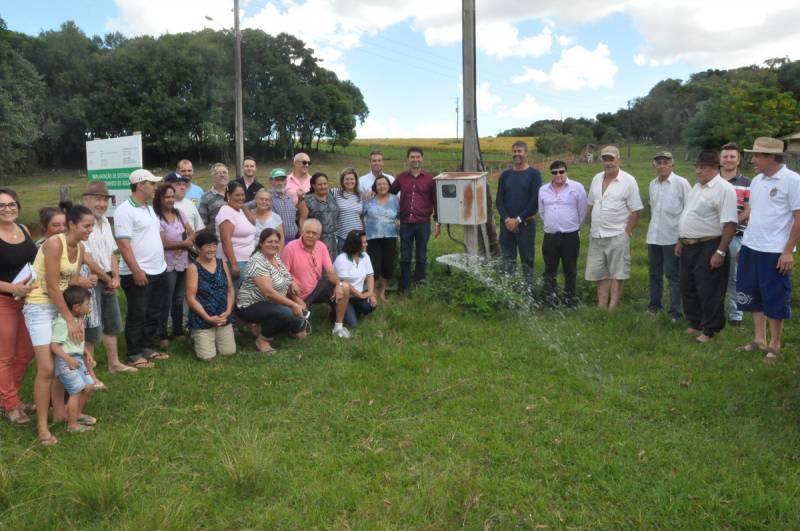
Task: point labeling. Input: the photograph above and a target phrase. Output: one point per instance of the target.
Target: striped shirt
(350, 208)
(259, 266)
(742, 186)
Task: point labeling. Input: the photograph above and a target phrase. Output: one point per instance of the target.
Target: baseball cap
(277, 172)
(611, 151)
(175, 177)
(140, 176)
(663, 155)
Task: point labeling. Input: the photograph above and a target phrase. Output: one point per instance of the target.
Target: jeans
(663, 262)
(144, 313)
(524, 240)
(561, 247)
(413, 234)
(356, 309)
(734, 313)
(172, 303)
(273, 318)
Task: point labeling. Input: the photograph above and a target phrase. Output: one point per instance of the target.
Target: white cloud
(485, 101)
(716, 33)
(578, 68)
(530, 109)
(434, 129)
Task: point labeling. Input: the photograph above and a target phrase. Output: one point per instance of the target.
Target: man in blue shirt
(517, 202)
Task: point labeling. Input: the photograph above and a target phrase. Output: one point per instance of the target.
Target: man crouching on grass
(68, 363)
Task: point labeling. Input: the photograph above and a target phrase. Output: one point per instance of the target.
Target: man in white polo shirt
(763, 281)
(141, 271)
(668, 195)
(704, 233)
(614, 205)
(366, 181)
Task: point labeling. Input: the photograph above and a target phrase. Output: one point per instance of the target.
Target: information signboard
(112, 160)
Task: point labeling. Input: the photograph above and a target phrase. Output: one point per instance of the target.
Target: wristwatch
(721, 253)
(519, 220)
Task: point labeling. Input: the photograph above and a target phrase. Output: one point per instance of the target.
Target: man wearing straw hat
(704, 232)
(763, 282)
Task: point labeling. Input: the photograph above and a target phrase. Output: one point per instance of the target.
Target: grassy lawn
(445, 411)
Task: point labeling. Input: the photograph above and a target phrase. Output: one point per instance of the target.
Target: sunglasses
(558, 172)
(304, 162)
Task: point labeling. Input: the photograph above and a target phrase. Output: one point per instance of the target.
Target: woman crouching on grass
(210, 296)
(263, 296)
(57, 265)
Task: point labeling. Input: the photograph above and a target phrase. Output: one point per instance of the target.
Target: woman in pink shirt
(236, 231)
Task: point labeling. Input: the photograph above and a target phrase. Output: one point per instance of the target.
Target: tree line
(61, 88)
(709, 109)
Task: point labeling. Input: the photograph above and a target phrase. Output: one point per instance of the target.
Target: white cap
(140, 176)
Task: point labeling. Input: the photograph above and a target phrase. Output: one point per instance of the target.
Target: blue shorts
(74, 380)
(759, 285)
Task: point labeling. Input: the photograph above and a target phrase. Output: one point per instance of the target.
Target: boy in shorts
(68, 364)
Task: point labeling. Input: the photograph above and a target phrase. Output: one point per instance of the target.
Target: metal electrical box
(461, 197)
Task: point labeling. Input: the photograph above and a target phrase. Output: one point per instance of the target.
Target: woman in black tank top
(16, 250)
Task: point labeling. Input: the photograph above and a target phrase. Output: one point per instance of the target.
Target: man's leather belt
(694, 241)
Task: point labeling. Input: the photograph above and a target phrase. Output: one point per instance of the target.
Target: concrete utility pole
(238, 89)
(479, 239)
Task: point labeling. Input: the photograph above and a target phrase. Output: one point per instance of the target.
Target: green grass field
(447, 410)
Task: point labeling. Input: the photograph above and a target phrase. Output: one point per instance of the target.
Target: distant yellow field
(488, 143)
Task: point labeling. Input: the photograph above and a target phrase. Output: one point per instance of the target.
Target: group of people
(725, 234)
(237, 253)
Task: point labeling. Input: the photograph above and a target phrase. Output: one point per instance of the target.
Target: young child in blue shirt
(68, 364)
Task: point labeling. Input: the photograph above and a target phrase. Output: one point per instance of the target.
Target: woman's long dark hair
(158, 202)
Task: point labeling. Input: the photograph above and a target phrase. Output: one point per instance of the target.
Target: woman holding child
(57, 265)
(16, 251)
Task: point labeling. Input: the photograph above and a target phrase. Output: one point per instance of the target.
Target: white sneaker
(342, 332)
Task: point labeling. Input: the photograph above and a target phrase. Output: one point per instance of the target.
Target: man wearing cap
(298, 183)
(366, 181)
(105, 305)
(194, 193)
(283, 205)
(763, 283)
(249, 180)
(187, 209)
(613, 207)
(729, 170)
(214, 198)
(705, 230)
(518, 202)
(142, 269)
(668, 195)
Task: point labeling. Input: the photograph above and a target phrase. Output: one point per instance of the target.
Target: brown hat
(98, 188)
(707, 158)
(765, 144)
(610, 151)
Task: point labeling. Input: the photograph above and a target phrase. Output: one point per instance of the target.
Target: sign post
(112, 160)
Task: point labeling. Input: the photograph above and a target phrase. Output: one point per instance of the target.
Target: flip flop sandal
(158, 356)
(87, 420)
(142, 363)
(750, 347)
(47, 442)
(771, 356)
(82, 428)
(126, 368)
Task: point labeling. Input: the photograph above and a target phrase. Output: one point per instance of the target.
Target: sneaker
(342, 332)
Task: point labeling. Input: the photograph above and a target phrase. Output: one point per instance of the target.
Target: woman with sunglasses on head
(562, 207)
(17, 250)
(382, 219)
(235, 230)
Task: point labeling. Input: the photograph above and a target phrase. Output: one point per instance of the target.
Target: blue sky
(544, 59)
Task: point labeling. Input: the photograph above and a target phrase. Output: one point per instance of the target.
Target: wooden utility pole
(237, 52)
